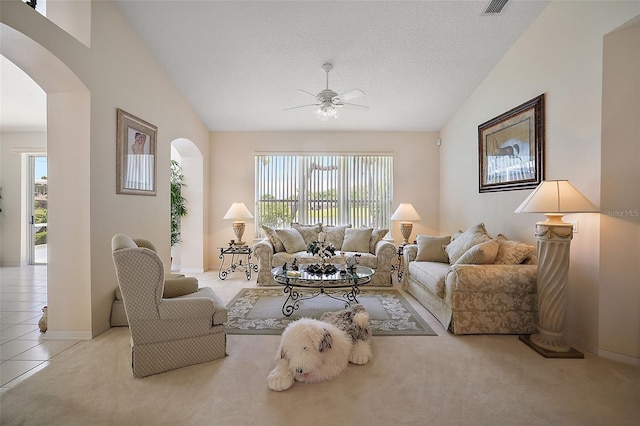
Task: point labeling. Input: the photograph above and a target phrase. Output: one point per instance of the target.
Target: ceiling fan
(328, 102)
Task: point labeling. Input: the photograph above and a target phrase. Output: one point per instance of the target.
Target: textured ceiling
(239, 63)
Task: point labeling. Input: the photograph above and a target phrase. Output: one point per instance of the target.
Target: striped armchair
(165, 333)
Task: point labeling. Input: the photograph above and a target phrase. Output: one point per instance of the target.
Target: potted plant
(178, 202)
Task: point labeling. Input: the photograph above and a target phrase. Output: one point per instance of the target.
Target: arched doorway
(188, 256)
(68, 129)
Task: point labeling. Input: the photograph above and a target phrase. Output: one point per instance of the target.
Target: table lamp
(238, 212)
(553, 198)
(406, 214)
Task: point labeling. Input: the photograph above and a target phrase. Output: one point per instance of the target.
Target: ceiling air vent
(495, 7)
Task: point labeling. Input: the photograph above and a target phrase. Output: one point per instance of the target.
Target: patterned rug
(259, 311)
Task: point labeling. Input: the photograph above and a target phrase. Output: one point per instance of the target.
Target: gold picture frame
(511, 148)
(136, 159)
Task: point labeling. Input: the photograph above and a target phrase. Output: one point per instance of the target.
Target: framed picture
(511, 148)
(136, 158)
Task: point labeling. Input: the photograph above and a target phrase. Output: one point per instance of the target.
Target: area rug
(259, 311)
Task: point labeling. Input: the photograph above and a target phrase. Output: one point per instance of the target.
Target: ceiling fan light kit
(329, 102)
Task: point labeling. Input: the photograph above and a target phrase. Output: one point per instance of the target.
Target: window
(332, 189)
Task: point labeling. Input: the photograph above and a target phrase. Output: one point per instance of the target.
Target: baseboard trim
(625, 359)
(68, 335)
(192, 270)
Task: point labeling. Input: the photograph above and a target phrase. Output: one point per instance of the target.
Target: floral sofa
(286, 244)
(473, 283)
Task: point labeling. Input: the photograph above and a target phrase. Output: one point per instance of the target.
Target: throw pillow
(292, 240)
(357, 239)
(309, 232)
(512, 252)
(469, 238)
(480, 254)
(335, 235)
(273, 237)
(376, 235)
(431, 248)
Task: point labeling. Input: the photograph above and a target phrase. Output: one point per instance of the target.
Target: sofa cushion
(292, 240)
(512, 252)
(309, 232)
(431, 275)
(357, 239)
(335, 235)
(475, 235)
(376, 236)
(431, 248)
(480, 254)
(273, 237)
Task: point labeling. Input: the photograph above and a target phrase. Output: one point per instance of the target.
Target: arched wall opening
(68, 133)
(188, 256)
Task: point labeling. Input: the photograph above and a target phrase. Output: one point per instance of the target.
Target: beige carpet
(259, 311)
(412, 380)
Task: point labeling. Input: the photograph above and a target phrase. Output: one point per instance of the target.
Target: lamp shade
(556, 196)
(238, 211)
(406, 213)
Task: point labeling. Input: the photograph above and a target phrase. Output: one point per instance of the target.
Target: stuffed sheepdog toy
(313, 351)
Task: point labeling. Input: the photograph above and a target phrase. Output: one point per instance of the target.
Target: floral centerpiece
(325, 251)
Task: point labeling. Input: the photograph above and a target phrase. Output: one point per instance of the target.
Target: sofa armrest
(410, 252)
(174, 287)
(264, 250)
(493, 278)
(385, 252)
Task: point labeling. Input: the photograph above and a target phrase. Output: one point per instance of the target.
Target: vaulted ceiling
(239, 63)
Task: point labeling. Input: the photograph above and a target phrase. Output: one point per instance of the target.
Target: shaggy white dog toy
(314, 351)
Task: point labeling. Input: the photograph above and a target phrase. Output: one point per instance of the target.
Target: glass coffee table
(308, 285)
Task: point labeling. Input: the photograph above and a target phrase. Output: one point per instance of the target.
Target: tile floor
(24, 350)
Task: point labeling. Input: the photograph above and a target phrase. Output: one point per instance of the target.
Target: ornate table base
(292, 303)
(236, 262)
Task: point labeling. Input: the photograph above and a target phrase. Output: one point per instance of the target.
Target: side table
(236, 254)
(399, 267)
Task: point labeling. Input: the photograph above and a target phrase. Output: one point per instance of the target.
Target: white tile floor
(24, 350)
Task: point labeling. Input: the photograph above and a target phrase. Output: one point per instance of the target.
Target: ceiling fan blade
(351, 94)
(350, 104)
(301, 106)
(307, 93)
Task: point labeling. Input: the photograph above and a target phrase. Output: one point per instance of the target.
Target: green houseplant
(178, 202)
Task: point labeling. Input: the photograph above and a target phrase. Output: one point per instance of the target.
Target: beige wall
(560, 55)
(85, 86)
(232, 171)
(620, 194)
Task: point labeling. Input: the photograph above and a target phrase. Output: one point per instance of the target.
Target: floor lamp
(553, 198)
(238, 212)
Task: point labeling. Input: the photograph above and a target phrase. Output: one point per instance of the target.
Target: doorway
(37, 209)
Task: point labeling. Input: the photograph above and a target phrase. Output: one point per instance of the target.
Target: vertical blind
(328, 189)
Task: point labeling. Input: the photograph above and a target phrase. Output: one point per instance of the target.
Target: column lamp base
(572, 353)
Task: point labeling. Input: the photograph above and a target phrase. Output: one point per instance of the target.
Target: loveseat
(283, 245)
(473, 283)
